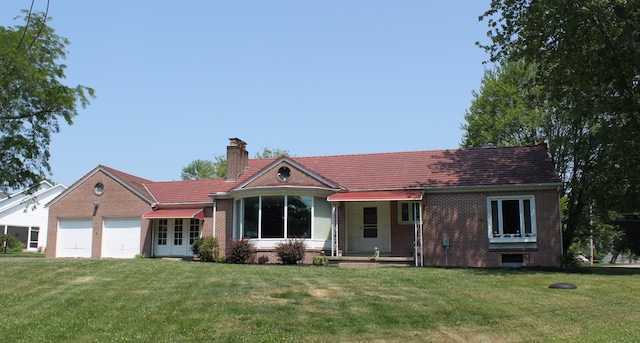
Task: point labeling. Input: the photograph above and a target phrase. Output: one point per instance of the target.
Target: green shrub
(195, 247)
(221, 259)
(13, 244)
(291, 251)
(321, 260)
(139, 256)
(206, 248)
(241, 251)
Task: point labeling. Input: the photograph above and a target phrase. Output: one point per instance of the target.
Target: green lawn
(149, 300)
(22, 254)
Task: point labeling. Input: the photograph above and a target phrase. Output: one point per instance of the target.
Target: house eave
(183, 204)
(272, 190)
(494, 188)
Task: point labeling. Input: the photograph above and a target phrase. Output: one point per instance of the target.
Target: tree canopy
(33, 99)
(207, 169)
(581, 93)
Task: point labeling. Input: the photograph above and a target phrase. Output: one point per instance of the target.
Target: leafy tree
(33, 99)
(275, 153)
(205, 169)
(587, 71)
(507, 110)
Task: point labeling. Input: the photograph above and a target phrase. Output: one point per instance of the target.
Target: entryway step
(366, 262)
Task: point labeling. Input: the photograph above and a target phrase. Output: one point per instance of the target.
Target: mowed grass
(151, 300)
(22, 254)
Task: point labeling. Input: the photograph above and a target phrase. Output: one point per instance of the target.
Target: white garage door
(121, 237)
(74, 238)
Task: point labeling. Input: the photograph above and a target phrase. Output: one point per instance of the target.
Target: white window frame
(285, 217)
(33, 243)
(498, 236)
(195, 230)
(413, 216)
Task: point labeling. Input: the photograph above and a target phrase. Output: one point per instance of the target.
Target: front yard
(150, 300)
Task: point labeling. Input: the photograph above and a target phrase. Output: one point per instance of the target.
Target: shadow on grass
(596, 270)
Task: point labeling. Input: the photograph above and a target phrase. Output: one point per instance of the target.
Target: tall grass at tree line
(152, 300)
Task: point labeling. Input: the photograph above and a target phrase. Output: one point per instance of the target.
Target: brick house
(487, 207)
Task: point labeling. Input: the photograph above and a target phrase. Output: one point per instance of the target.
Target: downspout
(560, 217)
(152, 221)
(215, 212)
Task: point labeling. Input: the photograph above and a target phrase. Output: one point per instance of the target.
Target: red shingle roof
(134, 182)
(188, 191)
(440, 168)
(381, 171)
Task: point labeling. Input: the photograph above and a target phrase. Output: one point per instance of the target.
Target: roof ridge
(416, 151)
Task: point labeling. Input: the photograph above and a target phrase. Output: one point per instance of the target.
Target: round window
(98, 189)
(284, 174)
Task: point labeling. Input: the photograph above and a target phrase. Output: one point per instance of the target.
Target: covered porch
(381, 228)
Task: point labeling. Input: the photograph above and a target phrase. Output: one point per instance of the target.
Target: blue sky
(175, 79)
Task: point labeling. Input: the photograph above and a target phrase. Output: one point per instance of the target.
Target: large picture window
(511, 217)
(280, 216)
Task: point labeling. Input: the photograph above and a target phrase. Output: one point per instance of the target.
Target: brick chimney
(237, 158)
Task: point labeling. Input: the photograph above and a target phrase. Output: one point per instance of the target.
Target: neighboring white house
(25, 216)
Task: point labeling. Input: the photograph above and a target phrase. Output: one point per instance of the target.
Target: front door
(368, 227)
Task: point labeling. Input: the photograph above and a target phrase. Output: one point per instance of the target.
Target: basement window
(512, 260)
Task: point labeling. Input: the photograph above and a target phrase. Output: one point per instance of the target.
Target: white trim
(494, 188)
(297, 166)
(285, 220)
(511, 238)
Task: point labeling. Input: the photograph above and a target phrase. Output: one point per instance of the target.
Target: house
(25, 217)
(487, 207)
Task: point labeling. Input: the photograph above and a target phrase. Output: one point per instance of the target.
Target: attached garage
(74, 237)
(121, 237)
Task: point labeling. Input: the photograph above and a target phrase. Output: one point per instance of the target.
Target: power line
(26, 27)
(44, 21)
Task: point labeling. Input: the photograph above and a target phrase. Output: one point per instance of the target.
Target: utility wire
(44, 21)
(26, 27)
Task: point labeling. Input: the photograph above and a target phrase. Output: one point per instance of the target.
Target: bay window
(279, 216)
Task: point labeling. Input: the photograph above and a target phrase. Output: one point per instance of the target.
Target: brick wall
(402, 235)
(224, 223)
(463, 219)
(115, 202)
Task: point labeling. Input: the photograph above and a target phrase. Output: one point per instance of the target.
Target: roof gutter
(493, 188)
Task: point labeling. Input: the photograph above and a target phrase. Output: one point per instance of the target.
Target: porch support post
(334, 229)
(417, 225)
